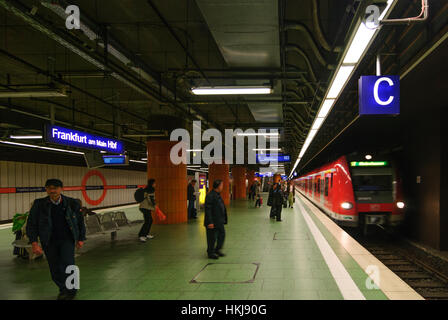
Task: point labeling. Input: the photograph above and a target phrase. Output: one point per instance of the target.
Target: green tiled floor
(162, 268)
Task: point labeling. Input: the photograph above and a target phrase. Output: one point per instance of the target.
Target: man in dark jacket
(57, 221)
(191, 197)
(214, 220)
(277, 201)
(270, 199)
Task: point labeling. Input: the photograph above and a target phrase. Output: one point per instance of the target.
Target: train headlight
(346, 205)
(400, 205)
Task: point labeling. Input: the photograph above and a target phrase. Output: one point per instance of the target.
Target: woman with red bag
(146, 206)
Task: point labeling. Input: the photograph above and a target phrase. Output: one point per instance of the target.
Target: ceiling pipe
(22, 13)
(319, 34)
(290, 47)
(422, 17)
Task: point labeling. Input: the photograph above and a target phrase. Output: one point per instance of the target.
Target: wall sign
(115, 160)
(79, 139)
(273, 158)
(379, 95)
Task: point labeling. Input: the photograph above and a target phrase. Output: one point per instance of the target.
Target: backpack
(139, 195)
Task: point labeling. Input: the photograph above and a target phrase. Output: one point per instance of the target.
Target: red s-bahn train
(356, 193)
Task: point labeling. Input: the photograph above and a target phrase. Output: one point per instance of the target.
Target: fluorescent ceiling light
(356, 49)
(137, 161)
(26, 137)
(33, 94)
(194, 150)
(231, 90)
(339, 81)
(359, 44)
(267, 134)
(325, 109)
(317, 123)
(144, 159)
(362, 39)
(39, 147)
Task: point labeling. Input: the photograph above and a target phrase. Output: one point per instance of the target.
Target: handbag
(159, 214)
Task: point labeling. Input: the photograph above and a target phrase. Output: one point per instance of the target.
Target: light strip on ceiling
(231, 90)
(33, 94)
(39, 147)
(267, 134)
(355, 51)
(137, 161)
(25, 137)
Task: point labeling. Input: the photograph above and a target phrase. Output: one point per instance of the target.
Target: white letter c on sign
(375, 91)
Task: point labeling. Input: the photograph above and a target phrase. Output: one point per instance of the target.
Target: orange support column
(171, 181)
(221, 172)
(239, 182)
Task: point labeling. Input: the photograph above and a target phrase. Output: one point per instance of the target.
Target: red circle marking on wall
(84, 192)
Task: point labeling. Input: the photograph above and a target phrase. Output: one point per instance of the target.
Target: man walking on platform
(57, 221)
(214, 220)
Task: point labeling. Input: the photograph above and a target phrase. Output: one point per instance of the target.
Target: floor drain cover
(291, 236)
(227, 273)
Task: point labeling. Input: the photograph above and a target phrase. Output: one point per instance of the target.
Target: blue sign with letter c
(379, 95)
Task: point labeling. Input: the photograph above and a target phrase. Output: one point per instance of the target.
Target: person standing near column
(57, 221)
(146, 206)
(214, 220)
(191, 197)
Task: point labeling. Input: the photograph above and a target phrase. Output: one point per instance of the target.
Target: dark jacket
(190, 192)
(277, 197)
(215, 210)
(271, 190)
(39, 220)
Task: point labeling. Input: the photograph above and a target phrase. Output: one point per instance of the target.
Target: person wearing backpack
(146, 206)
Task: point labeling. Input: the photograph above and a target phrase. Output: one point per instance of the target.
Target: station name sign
(79, 139)
(369, 163)
(273, 158)
(379, 95)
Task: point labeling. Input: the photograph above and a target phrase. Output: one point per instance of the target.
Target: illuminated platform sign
(74, 138)
(369, 164)
(117, 160)
(379, 95)
(273, 158)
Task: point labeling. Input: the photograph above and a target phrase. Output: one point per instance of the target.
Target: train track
(426, 280)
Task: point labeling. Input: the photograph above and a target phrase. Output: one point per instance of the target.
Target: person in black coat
(270, 199)
(191, 197)
(277, 201)
(214, 220)
(59, 224)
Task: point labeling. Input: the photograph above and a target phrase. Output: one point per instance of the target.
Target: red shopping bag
(261, 200)
(159, 214)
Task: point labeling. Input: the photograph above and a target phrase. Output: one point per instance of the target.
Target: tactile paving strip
(227, 273)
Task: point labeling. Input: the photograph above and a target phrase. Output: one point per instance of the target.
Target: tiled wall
(24, 174)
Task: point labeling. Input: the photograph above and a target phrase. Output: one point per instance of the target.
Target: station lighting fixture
(231, 90)
(138, 161)
(194, 150)
(144, 159)
(355, 51)
(368, 157)
(266, 149)
(40, 147)
(400, 205)
(266, 134)
(33, 94)
(30, 137)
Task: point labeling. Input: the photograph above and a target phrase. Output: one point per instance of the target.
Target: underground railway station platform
(223, 158)
(306, 256)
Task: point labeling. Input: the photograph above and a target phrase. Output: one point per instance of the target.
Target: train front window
(372, 182)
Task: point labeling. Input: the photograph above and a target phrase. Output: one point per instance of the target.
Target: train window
(332, 179)
(372, 182)
(327, 180)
